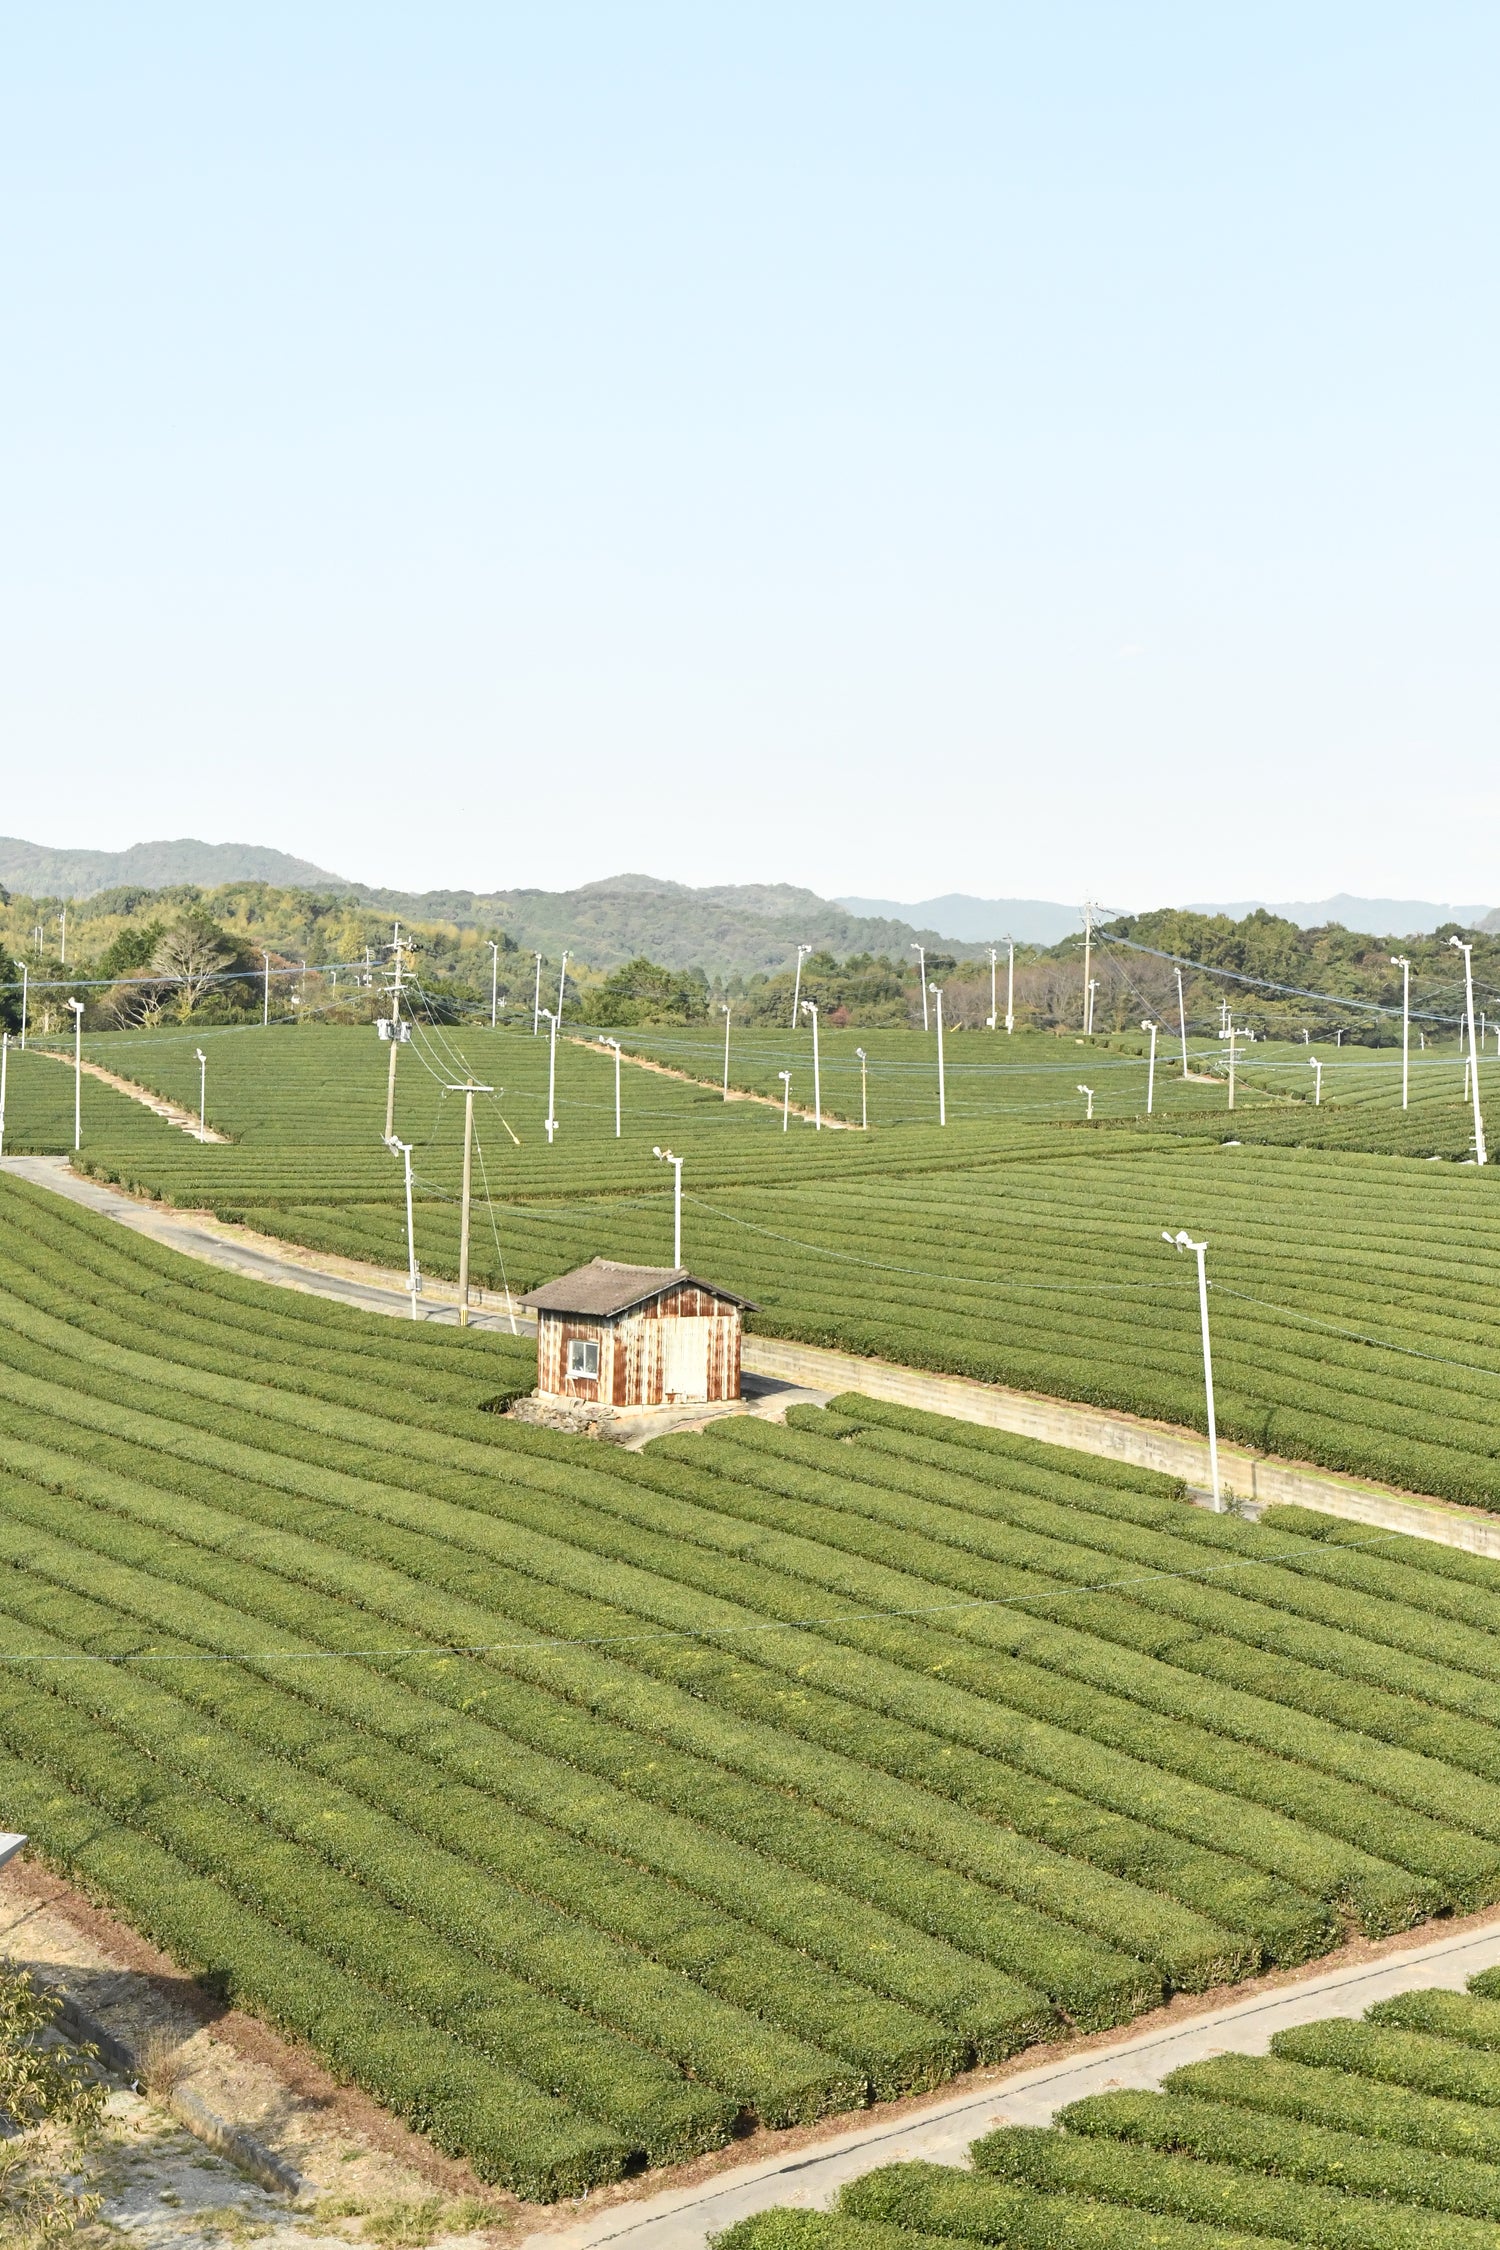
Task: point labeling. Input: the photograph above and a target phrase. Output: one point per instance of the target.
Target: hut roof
(602, 1288)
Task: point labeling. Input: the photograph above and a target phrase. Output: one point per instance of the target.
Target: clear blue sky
(1039, 449)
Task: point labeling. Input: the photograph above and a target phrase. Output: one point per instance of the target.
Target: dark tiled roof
(602, 1288)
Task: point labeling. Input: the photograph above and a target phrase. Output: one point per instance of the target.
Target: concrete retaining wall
(1256, 1478)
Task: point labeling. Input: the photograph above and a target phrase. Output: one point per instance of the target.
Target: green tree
(643, 992)
(50, 2107)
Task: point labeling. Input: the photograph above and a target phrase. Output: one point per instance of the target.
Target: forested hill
(1328, 959)
(726, 929)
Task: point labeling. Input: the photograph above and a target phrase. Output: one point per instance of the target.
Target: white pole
(810, 1007)
(921, 954)
(616, 1045)
(1400, 961)
(1093, 988)
(1151, 1070)
(1232, 1035)
(786, 1096)
(413, 1281)
(494, 982)
(463, 1232)
(1184, 1241)
(942, 1080)
(1182, 1023)
(202, 1093)
(551, 1118)
(1315, 1065)
(994, 1015)
(802, 953)
(665, 1156)
(864, 1090)
(265, 1006)
(724, 1004)
(536, 1005)
(77, 1008)
(562, 983)
(25, 973)
(1089, 1091)
(63, 948)
(4, 1059)
(1480, 1154)
(1088, 956)
(1010, 988)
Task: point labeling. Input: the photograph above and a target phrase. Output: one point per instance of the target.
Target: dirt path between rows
(712, 1086)
(186, 1120)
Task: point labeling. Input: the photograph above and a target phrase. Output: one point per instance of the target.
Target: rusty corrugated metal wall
(638, 1365)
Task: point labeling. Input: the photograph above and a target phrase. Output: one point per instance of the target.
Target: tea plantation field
(1355, 1318)
(587, 1806)
(1379, 2135)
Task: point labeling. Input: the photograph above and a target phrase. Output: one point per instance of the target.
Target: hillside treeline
(138, 957)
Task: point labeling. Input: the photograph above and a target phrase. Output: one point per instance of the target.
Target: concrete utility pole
(724, 1004)
(864, 1090)
(921, 954)
(494, 981)
(265, 1005)
(398, 1034)
(1010, 988)
(616, 1045)
(1233, 1035)
(1151, 1069)
(550, 1120)
(1088, 962)
(992, 1019)
(802, 953)
(77, 1008)
(1182, 1240)
(413, 1278)
(62, 953)
(810, 1008)
(202, 1093)
(536, 1005)
(468, 1089)
(1400, 961)
(1480, 1155)
(562, 985)
(937, 992)
(786, 1096)
(665, 1156)
(1182, 1023)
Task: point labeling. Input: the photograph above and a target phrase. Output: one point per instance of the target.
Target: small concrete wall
(1258, 1478)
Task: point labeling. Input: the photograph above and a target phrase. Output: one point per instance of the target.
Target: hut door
(684, 1359)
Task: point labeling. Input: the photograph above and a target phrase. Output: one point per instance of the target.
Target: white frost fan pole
(1182, 1240)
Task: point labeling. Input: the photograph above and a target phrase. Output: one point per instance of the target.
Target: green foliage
(51, 2102)
(643, 992)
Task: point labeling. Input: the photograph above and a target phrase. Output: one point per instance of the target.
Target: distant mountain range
(979, 921)
(1382, 917)
(40, 872)
(1039, 921)
(726, 928)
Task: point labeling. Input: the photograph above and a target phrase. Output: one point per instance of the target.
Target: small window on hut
(583, 1359)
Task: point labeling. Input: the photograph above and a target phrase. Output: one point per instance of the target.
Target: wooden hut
(636, 1336)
